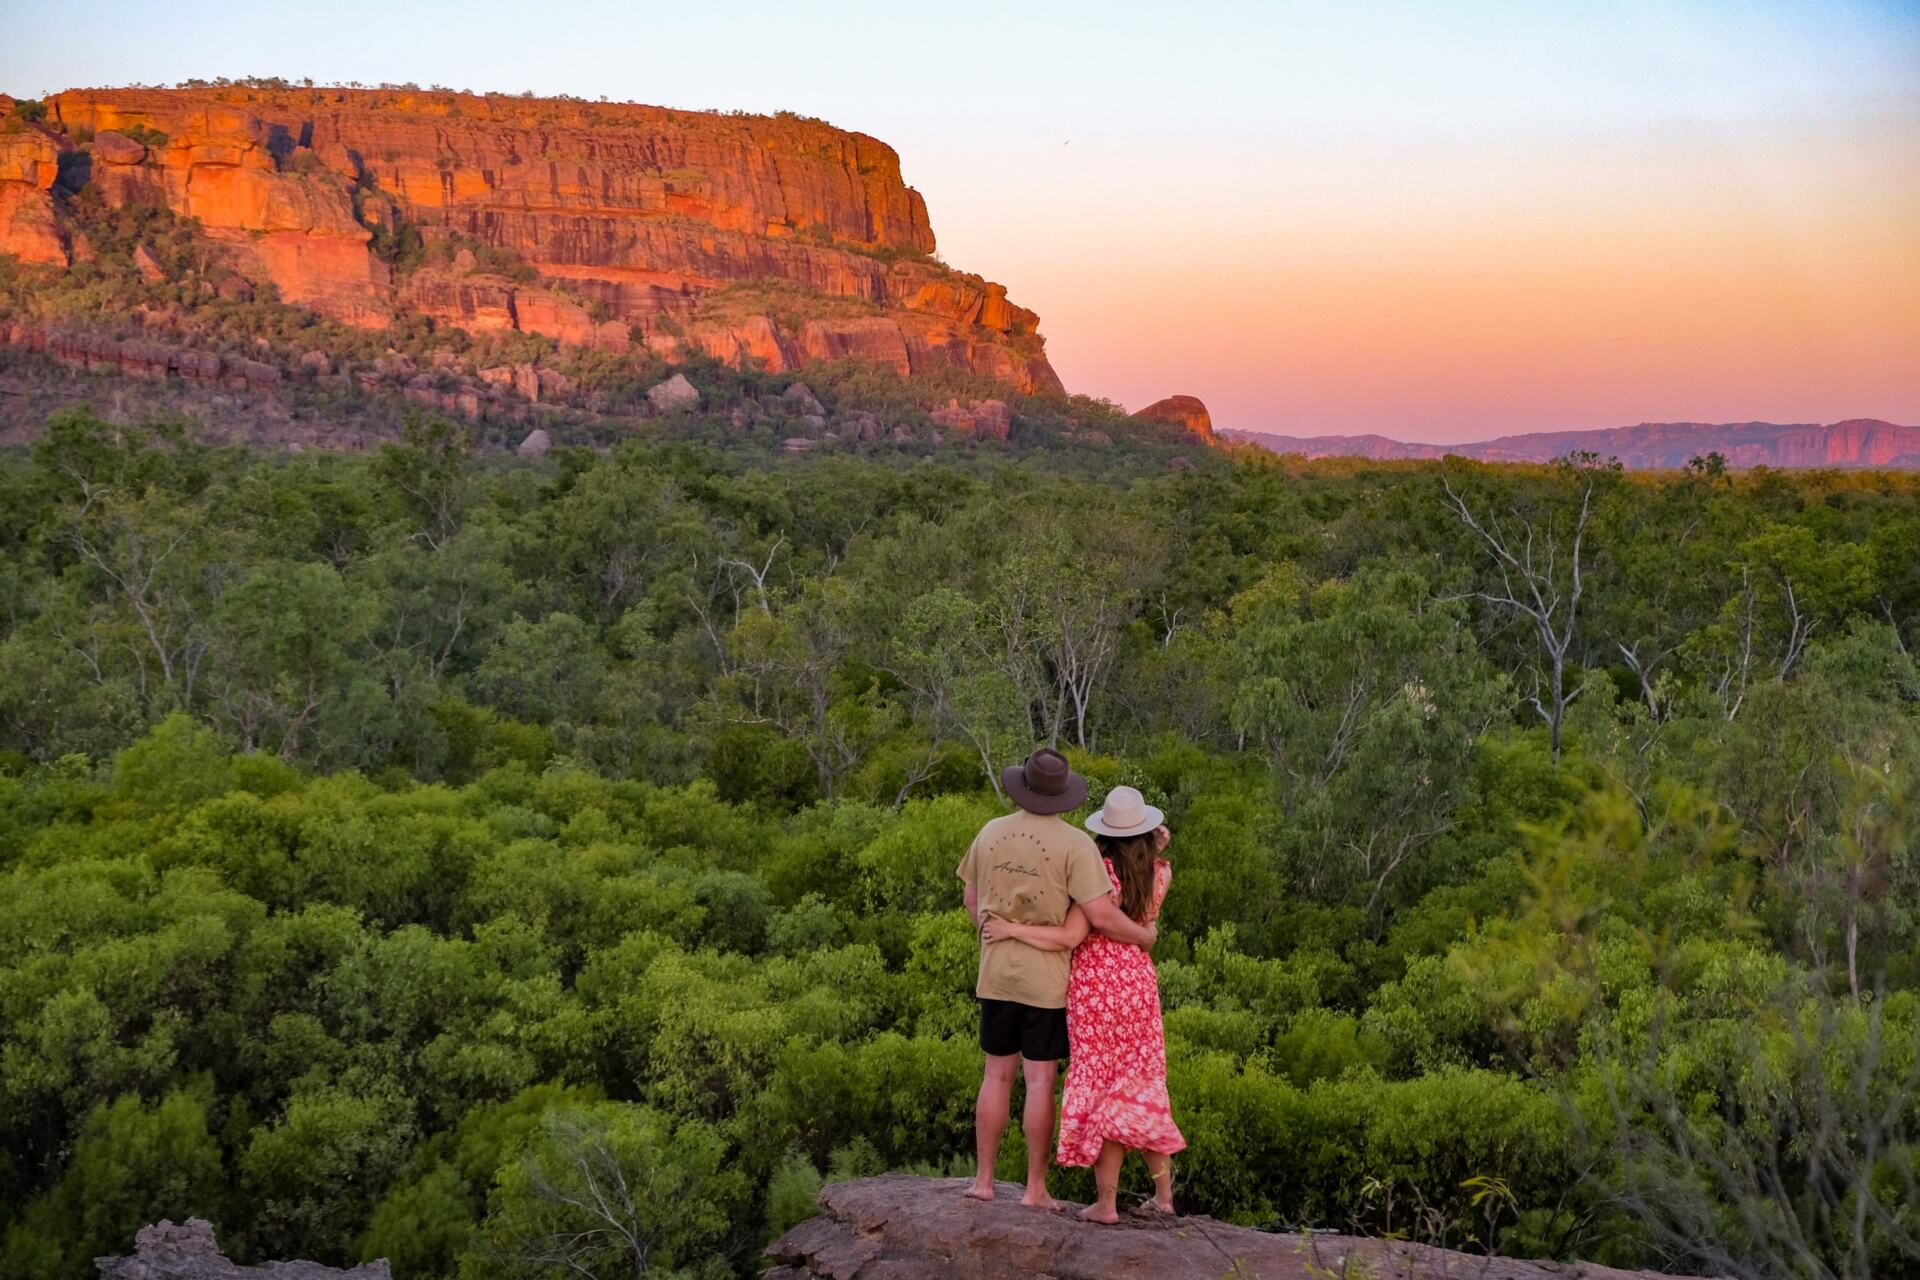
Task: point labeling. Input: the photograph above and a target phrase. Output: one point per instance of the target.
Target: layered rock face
(905, 1228)
(1855, 443)
(29, 166)
(672, 227)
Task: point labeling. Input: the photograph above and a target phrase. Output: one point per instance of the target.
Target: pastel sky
(1436, 221)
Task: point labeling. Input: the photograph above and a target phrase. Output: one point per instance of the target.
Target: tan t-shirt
(1029, 869)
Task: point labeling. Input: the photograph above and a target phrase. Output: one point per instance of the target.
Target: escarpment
(777, 240)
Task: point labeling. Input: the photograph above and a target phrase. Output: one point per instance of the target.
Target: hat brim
(1014, 779)
(1096, 823)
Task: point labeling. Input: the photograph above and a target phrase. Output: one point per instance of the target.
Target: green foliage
(146, 135)
(389, 843)
(132, 1165)
(613, 1187)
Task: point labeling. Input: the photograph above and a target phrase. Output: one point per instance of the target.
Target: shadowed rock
(674, 395)
(164, 1251)
(904, 1228)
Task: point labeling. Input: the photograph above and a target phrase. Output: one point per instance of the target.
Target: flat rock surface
(904, 1228)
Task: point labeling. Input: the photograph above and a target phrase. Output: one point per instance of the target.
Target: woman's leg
(1160, 1165)
(1106, 1180)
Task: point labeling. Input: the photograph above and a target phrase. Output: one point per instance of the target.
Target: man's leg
(1037, 1122)
(990, 1112)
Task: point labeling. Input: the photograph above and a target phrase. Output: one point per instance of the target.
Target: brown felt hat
(1046, 783)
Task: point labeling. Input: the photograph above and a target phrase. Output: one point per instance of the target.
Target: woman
(1116, 1094)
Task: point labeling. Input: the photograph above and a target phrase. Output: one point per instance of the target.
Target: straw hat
(1126, 813)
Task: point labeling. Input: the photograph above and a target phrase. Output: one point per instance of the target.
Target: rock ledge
(164, 1251)
(905, 1228)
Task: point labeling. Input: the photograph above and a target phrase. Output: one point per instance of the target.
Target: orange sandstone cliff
(29, 166)
(773, 239)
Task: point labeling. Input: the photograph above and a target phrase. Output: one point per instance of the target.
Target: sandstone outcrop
(1855, 443)
(905, 1228)
(188, 1251)
(29, 166)
(674, 395)
(1185, 412)
(988, 419)
(635, 221)
(142, 359)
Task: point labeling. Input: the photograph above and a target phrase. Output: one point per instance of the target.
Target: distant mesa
(1855, 443)
(1185, 412)
(777, 239)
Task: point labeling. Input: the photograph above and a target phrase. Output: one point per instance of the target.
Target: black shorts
(1008, 1027)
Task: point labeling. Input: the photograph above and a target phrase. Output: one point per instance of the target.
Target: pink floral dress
(1117, 1065)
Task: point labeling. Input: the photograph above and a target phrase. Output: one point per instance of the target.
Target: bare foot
(980, 1190)
(1154, 1207)
(1040, 1200)
(1099, 1213)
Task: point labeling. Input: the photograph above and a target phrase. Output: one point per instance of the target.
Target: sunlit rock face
(29, 166)
(678, 229)
(1185, 412)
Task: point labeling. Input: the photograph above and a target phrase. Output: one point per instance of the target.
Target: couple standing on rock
(1065, 928)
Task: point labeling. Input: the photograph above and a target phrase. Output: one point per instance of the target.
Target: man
(1030, 867)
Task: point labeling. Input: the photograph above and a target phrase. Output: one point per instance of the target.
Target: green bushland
(396, 848)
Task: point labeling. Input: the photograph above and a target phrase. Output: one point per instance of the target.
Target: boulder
(990, 419)
(907, 1228)
(164, 1251)
(110, 147)
(675, 395)
(800, 399)
(536, 444)
(952, 417)
(1185, 412)
(147, 265)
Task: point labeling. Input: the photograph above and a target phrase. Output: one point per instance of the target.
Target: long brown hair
(1133, 858)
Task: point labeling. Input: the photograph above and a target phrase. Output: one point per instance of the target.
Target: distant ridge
(1855, 443)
